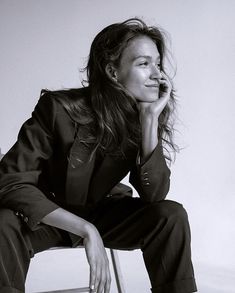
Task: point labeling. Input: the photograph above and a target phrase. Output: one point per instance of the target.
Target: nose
(155, 73)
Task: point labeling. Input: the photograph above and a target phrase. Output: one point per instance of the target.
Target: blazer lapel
(79, 171)
(84, 187)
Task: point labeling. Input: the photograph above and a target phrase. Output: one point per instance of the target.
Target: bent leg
(18, 245)
(162, 232)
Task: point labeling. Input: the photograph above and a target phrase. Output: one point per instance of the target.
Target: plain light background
(44, 43)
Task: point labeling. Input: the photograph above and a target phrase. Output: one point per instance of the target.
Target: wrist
(148, 118)
(89, 230)
(149, 125)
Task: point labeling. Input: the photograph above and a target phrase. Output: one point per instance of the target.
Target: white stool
(116, 269)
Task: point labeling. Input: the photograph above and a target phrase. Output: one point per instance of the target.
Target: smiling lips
(152, 85)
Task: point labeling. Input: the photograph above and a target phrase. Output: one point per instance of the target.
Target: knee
(175, 210)
(8, 221)
(170, 211)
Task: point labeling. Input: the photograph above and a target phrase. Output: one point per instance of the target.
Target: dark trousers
(160, 230)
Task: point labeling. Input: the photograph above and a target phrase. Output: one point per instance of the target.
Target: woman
(60, 181)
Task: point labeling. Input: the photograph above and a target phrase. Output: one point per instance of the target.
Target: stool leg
(117, 271)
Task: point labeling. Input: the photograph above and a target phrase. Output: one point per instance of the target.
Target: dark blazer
(47, 167)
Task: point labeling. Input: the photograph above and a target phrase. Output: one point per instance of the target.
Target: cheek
(134, 79)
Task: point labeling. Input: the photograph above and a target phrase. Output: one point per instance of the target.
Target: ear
(111, 72)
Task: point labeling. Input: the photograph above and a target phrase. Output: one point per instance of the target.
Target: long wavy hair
(114, 110)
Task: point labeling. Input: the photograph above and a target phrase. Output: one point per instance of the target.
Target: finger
(165, 92)
(98, 278)
(100, 283)
(164, 97)
(108, 283)
(166, 85)
(165, 77)
(107, 277)
(92, 278)
(92, 289)
(162, 102)
(103, 280)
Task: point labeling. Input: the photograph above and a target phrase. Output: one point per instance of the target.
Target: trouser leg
(14, 253)
(162, 232)
(18, 245)
(169, 244)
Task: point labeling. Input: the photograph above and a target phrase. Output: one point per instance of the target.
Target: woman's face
(139, 69)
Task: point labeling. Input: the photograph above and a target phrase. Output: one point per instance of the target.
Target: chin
(148, 99)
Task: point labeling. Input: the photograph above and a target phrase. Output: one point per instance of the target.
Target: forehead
(140, 46)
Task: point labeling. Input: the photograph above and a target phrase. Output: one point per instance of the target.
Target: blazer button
(52, 193)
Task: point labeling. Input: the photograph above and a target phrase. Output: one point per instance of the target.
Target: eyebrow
(145, 56)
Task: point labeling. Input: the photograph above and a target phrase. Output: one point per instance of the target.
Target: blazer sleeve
(20, 168)
(152, 179)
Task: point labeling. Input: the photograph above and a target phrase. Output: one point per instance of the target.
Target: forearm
(151, 179)
(149, 136)
(67, 221)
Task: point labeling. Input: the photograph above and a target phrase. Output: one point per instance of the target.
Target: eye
(143, 63)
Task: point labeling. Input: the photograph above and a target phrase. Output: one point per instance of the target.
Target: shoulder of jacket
(73, 103)
(67, 94)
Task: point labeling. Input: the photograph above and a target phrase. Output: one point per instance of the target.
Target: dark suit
(48, 167)
(37, 167)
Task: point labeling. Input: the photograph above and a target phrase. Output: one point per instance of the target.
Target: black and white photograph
(117, 162)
